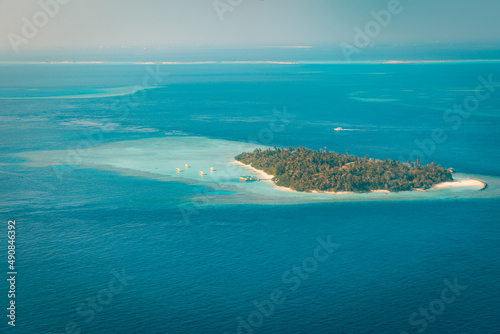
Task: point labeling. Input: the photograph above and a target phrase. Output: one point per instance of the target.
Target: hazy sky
(157, 23)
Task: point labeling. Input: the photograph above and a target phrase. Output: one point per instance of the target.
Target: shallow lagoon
(158, 158)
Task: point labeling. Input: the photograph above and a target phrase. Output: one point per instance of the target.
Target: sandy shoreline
(267, 177)
(262, 175)
(461, 183)
(452, 184)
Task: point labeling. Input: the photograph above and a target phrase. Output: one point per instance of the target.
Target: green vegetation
(302, 169)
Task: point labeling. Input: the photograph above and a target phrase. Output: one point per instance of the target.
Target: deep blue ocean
(397, 267)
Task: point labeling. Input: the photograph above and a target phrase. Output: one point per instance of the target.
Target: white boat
(212, 169)
(202, 173)
(247, 178)
(186, 165)
(338, 129)
(178, 170)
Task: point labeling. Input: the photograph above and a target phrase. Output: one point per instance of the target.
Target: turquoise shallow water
(165, 159)
(198, 266)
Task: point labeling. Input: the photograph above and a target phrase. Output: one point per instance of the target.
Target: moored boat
(248, 178)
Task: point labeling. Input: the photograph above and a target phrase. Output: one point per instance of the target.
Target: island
(306, 170)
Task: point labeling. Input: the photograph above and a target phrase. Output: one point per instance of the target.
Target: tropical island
(306, 170)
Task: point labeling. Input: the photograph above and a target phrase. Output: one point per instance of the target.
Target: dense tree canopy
(302, 169)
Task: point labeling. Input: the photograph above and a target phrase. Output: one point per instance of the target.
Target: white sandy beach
(452, 184)
(262, 175)
(460, 183)
(266, 177)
